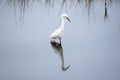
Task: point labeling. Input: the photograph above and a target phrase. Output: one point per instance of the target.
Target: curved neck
(63, 22)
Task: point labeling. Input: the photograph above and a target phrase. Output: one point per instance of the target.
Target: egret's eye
(64, 16)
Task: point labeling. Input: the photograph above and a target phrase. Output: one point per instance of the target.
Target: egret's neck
(63, 23)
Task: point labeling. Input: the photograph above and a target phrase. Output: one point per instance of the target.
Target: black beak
(68, 19)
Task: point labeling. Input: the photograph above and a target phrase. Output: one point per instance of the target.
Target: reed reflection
(59, 51)
(106, 11)
(22, 5)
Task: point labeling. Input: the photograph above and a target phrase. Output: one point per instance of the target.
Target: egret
(58, 33)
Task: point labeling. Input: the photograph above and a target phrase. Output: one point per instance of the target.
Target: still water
(90, 48)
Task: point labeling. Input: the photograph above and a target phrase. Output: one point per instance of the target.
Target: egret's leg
(60, 40)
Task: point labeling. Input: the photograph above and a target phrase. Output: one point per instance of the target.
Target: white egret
(58, 33)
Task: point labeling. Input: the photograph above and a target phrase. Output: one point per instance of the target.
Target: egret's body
(58, 33)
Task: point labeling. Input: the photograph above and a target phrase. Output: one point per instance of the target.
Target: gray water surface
(90, 45)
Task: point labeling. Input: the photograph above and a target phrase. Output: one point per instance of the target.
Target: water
(90, 45)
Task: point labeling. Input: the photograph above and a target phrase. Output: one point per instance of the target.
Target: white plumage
(58, 33)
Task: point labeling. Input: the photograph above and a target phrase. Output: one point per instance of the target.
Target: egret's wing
(55, 34)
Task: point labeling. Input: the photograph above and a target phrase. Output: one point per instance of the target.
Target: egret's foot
(64, 69)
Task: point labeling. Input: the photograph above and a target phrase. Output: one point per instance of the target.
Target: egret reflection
(59, 50)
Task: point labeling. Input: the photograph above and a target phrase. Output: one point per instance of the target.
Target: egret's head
(65, 16)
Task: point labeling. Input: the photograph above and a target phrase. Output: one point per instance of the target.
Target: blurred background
(90, 46)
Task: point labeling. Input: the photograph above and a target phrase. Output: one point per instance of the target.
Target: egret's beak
(68, 19)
